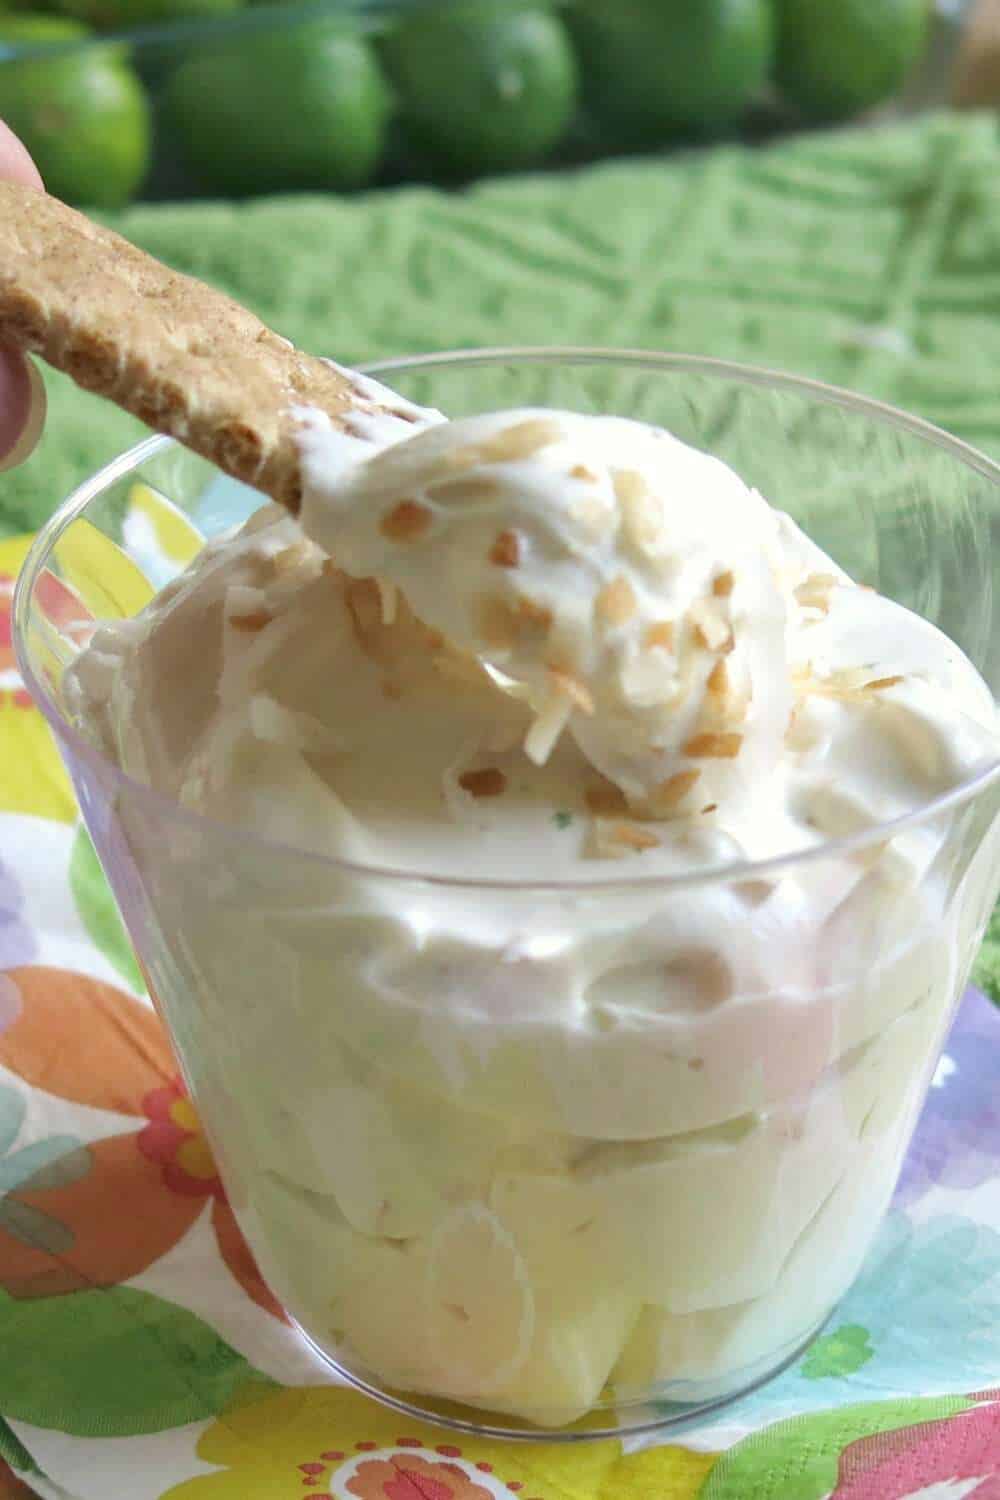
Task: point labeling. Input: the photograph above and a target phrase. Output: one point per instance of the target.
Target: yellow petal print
(33, 779)
(153, 523)
(336, 1443)
(110, 583)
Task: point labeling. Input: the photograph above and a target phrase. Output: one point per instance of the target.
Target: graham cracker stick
(185, 359)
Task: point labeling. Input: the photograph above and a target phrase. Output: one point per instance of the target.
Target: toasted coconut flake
(572, 688)
(849, 685)
(724, 704)
(271, 722)
(406, 522)
(710, 630)
(522, 440)
(592, 513)
(461, 491)
(461, 460)
(364, 606)
(737, 704)
(718, 680)
(714, 746)
(616, 839)
(723, 585)
(881, 683)
(714, 636)
(532, 618)
(290, 559)
(458, 666)
(489, 782)
(814, 591)
(506, 550)
(670, 793)
(710, 807)
(498, 623)
(388, 595)
(755, 892)
(616, 603)
(801, 733)
(661, 634)
(605, 799)
(503, 624)
(541, 738)
(629, 485)
(633, 837)
(642, 515)
(250, 624)
(581, 472)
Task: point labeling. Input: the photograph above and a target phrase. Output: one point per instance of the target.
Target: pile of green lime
(303, 106)
(80, 110)
(317, 95)
(481, 86)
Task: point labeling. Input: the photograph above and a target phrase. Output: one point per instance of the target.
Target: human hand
(22, 394)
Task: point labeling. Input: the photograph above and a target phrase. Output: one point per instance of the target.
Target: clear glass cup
(474, 1211)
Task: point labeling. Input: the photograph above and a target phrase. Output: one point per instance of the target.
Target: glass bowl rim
(732, 871)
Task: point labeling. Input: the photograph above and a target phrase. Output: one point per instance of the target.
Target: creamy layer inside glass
(532, 1150)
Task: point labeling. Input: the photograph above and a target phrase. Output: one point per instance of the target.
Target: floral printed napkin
(142, 1357)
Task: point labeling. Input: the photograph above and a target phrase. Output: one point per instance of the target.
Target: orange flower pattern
(93, 1044)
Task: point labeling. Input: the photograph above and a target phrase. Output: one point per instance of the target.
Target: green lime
(484, 88)
(653, 68)
(305, 106)
(82, 113)
(836, 59)
(119, 15)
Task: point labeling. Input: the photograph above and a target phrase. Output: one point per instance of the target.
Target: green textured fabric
(987, 969)
(867, 258)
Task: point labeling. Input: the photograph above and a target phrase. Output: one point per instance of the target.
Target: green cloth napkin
(868, 258)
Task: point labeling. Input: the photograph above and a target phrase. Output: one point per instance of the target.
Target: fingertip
(22, 408)
(22, 392)
(15, 163)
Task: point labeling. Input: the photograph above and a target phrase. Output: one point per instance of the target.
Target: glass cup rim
(728, 872)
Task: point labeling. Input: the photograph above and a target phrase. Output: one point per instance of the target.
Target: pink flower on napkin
(175, 1139)
(944, 1457)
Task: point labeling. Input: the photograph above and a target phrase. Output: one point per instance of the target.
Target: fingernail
(30, 433)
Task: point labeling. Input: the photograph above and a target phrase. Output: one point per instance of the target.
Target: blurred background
(808, 184)
(160, 99)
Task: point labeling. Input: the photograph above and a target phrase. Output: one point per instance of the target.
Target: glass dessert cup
(476, 1209)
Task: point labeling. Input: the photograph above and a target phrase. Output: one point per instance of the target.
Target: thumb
(22, 408)
(22, 394)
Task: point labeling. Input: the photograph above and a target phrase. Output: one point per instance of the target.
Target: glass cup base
(640, 1418)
